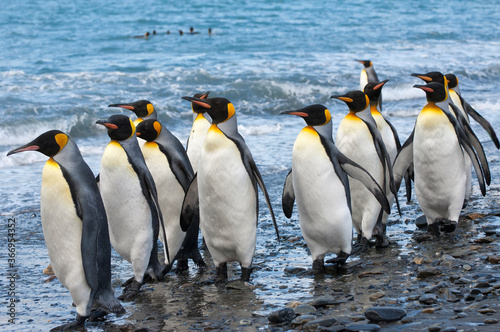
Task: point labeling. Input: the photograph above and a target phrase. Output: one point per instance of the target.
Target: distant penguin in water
(170, 167)
(368, 75)
(360, 140)
(199, 129)
(319, 182)
(131, 201)
(74, 226)
(436, 147)
(226, 187)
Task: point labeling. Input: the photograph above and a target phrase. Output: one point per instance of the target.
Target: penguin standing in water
(368, 75)
(169, 165)
(436, 147)
(201, 123)
(131, 201)
(74, 226)
(226, 184)
(319, 182)
(359, 139)
(387, 131)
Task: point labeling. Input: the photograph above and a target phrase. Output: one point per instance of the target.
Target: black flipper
(403, 162)
(288, 196)
(190, 205)
(482, 121)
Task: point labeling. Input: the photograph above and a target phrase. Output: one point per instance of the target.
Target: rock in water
(384, 314)
(284, 315)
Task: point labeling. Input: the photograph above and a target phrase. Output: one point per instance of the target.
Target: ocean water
(64, 62)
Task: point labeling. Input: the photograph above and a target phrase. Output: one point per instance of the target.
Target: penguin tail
(105, 300)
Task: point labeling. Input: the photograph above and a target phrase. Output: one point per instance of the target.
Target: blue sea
(63, 62)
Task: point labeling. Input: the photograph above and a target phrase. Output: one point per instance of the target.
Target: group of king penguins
(172, 192)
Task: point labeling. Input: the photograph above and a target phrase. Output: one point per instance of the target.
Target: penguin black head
(197, 108)
(314, 115)
(373, 90)
(433, 76)
(49, 143)
(120, 127)
(141, 108)
(452, 80)
(435, 91)
(366, 63)
(219, 109)
(148, 130)
(356, 100)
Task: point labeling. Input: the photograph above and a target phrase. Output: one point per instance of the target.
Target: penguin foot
(130, 292)
(76, 324)
(245, 273)
(97, 315)
(381, 241)
(318, 266)
(107, 302)
(340, 259)
(447, 225)
(166, 269)
(433, 229)
(360, 246)
(128, 282)
(221, 273)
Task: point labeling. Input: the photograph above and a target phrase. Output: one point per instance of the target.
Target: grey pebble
(305, 309)
(384, 314)
(426, 273)
(428, 299)
(303, 319)
(284, 315)
(314, 324)
(491, 321)
(362, 327)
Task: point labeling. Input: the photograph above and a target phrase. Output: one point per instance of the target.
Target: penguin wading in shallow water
(170, 167)
(226, 184)
(437, 147)
(199, 129)
(74, 226)
(131, 201)
(318, 181)
(359, 139)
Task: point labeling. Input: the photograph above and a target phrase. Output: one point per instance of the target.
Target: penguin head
(219, 109)
(120, 127)
(49, 143)
(149, 130)
(141, 108)
(435, 91)
(433, 76)
(314, 115)
(373, 90)
(356, 100)
(366, 63)
(452, 80)
(197, 108)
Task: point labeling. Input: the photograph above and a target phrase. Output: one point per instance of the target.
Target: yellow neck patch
(157, 127)
(150, 108)
(132, 125)
(328, 116)
(230, 110)
(61, 140)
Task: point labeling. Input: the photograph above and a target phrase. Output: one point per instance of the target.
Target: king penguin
(368, 75)
(463, 122)
(226, 187)
(318, 181)
(75, 226)
(171, 170)
(359, 139)
(131, 201)
(143, 109)
(199, 129)
(436, 147)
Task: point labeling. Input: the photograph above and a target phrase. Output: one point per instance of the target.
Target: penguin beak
(28, 147)
(197, 101)
(380, 85)
(423, 87)
(205, 95)
(298, 113)
(106, 124)
(126, 106)
(343, 98)
(422, 77)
